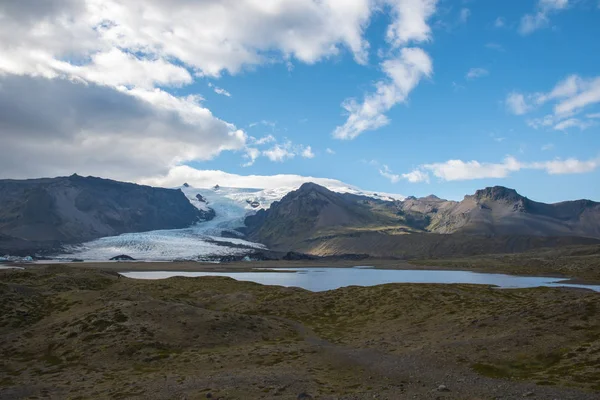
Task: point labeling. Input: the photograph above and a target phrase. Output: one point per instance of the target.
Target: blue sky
(480, 93)
(448, 116)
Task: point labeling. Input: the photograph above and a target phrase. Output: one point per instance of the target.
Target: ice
(198, 242)
(204, 239)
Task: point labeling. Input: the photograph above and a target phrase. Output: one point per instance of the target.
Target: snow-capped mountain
(206, 239)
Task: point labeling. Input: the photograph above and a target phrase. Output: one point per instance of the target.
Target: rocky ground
(76, 333)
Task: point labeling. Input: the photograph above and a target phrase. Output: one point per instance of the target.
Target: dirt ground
(77, 333)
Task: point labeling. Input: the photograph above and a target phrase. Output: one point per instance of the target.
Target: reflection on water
(321, 279)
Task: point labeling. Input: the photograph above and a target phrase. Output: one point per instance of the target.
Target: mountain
(39, 214)
(315, 210)
(315, 220)
(501, 211)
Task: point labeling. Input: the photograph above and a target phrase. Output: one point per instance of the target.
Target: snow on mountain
(272, 186)
(205, 239)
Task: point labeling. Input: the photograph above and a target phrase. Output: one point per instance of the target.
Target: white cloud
(92, 53)
(263, 140)
(329, 151)
(410, 21)
(572, 123)
(208, 178)
(584, 94)
(219, 90)
(62, 126)
(403, 71)
(500, 22)
(516, 103)
(568, 166)
(458, 170)
(387, 173)
(475, 73)
(413, 176)
(280, 184)
(540, 18)
(252, 153)
(568, 98)
(416, 176)
(455, 170)
(404, 74)
(537, 123)
(307, 152)
(280, 152)
(465, 13)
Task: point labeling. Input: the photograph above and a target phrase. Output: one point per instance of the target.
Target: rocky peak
(498, 193)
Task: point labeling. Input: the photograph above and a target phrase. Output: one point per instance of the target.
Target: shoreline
(275, 265)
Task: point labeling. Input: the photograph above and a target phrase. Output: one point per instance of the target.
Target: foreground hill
(315, 220)
(77, 333)
(42, 213)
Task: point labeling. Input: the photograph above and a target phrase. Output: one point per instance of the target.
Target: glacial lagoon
(322, 279)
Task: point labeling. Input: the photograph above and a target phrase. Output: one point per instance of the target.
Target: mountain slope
(493, 220)
(501, 211)
(312, 210)
(40, 213)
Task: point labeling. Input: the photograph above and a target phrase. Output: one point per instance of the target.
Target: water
(322, 279)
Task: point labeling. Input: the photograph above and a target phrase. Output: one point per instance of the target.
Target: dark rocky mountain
(315, 220)
(40, 214)
(502, 211)
(313, 210)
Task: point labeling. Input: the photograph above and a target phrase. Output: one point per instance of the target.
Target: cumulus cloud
(62, 61)
(208, 37)
(540, 18)
(307, 152)
(569, 97)
(410, 21)
(387, 173)
(475, 73)
(57, 127)
(459, 170)
(403, 74)
(219, 90)
(572, 123)
(208, 178)
(252, 153)
(516, 103)
(329, 151)
(499, 22)
(413, 176)
(403, 70)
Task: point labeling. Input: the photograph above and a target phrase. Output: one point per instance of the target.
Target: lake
(322, 279)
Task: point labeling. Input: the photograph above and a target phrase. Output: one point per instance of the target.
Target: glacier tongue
(197, 242)
(204, 239)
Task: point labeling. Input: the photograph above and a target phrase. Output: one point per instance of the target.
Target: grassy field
(578, 262)
(74, 333)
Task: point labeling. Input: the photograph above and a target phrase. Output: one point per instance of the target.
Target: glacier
(204, 240)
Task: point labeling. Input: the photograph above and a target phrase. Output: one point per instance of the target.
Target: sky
(399, 96)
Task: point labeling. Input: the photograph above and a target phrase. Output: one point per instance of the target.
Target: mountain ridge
(493, 212)
(40, 214)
